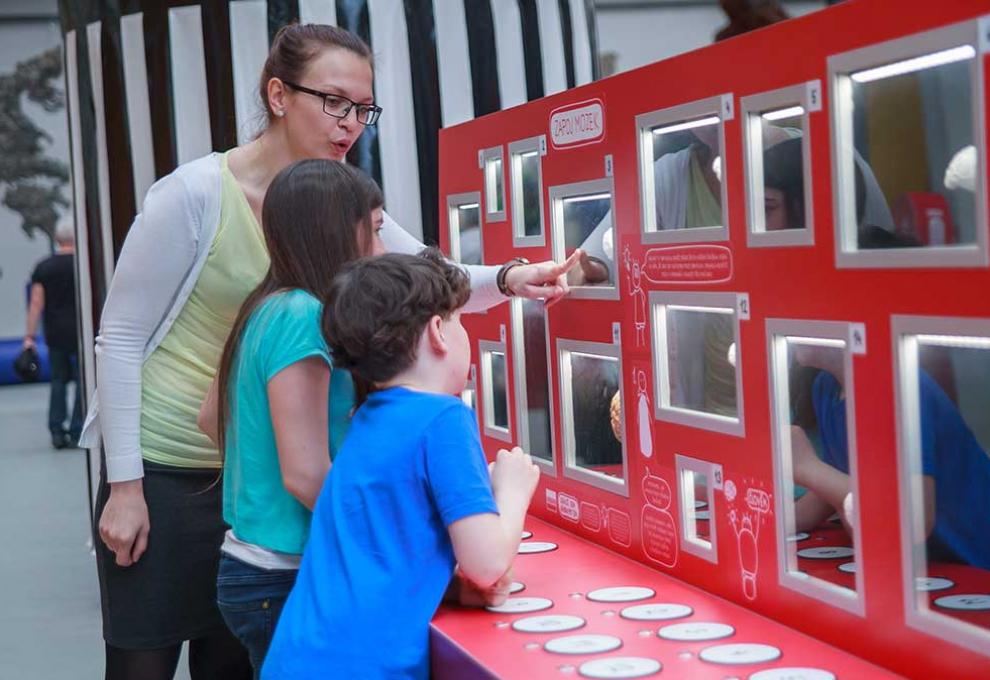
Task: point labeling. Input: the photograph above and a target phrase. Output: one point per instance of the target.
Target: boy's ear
(434, 335)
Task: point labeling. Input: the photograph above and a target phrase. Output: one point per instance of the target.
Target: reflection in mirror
(915, 171)
(528, 169)
(783, 169)
(587, 222)
(494, 185)
(500, 398)
(467, 218)
(687, 174)
(701, 370)
(594, 382)
(950, 377)
(816, 442)
(696, 504)
(537, 379)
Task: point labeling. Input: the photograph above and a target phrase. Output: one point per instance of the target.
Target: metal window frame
(840, 66)
(778, 331)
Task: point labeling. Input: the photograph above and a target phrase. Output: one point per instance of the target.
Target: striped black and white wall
(154, 83)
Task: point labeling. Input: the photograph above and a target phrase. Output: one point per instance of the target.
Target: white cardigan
(164, 252)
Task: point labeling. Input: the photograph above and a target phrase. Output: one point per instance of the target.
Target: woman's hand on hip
(124, 524)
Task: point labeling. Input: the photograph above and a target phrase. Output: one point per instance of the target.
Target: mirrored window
(527, 192)
(494, 184)
(783, 170)
(811, 376)
(702, 378)
(494, 382)
(696, 351)
(910, 173)
(500, 395)
(687, 174)
(597, 440)
(696, 480)
(591, 395)
(532, 213)
(696, 502)
(464, 219)
(917, 181)
(535, 417)
(582, 214)
(945, 394)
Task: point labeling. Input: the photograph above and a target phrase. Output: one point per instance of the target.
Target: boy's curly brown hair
(377, 308)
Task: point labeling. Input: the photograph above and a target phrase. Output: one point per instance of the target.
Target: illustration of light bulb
(749, 560)
(643, 416)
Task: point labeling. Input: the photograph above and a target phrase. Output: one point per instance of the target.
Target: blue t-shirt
(283, 330)
(950, 455)
(379, 556)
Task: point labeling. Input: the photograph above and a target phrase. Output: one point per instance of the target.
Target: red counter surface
(474, 643)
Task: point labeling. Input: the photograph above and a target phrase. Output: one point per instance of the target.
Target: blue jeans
(251, 600)
(65, 369)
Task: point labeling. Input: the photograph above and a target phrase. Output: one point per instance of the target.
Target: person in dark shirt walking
(53, 299)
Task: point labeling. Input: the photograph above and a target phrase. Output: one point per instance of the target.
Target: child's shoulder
(294, 303)
(427, 406)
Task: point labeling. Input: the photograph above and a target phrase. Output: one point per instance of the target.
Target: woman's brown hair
(316, 218)
(296, 45)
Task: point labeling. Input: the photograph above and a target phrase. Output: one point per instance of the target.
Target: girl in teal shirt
(270, 407)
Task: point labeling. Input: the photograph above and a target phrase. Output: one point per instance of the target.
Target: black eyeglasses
(339, 106)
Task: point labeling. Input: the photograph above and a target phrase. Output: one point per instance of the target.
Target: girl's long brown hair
(316, 217)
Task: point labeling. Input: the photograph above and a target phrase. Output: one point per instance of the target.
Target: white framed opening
(942, 373)
(682, 171)
(777, 153)
(526, 181)
(582, 217)
(697, 360)
(495, 390)
(533, 398)
(696, 481)
(909, 151)
(494, 168)
(813, 402)
(469, 395)
(464, 220)
(594, 442)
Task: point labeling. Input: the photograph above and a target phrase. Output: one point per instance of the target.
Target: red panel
(791, 282)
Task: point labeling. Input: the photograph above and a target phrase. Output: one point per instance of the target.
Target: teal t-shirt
(283, 330)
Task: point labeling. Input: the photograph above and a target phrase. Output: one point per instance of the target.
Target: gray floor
(50, 626)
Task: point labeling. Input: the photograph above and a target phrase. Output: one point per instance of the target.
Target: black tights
(215, 657)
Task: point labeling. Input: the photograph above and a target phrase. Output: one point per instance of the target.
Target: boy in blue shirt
(410, 494)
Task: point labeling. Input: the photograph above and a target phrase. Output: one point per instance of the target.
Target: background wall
(27, 29)
(642, 32)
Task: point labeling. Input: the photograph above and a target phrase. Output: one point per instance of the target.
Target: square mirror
(491, 160)
(778, 166)
(464, 219)
(531, 355)
(813, 399)
(695, 493)
(682, 170)
(495, 390)
(943, 395)
(696, 352)
(591, 414)
(526, 180)
(910, 181)
(581, 215)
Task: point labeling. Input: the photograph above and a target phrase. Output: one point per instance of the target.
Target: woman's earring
(280, 113)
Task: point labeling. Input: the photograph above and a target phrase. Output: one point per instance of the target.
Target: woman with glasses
(190, 259)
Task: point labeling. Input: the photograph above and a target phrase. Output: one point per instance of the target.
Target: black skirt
(170, 594)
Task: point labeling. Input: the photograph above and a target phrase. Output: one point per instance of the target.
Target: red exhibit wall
(782, 282)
